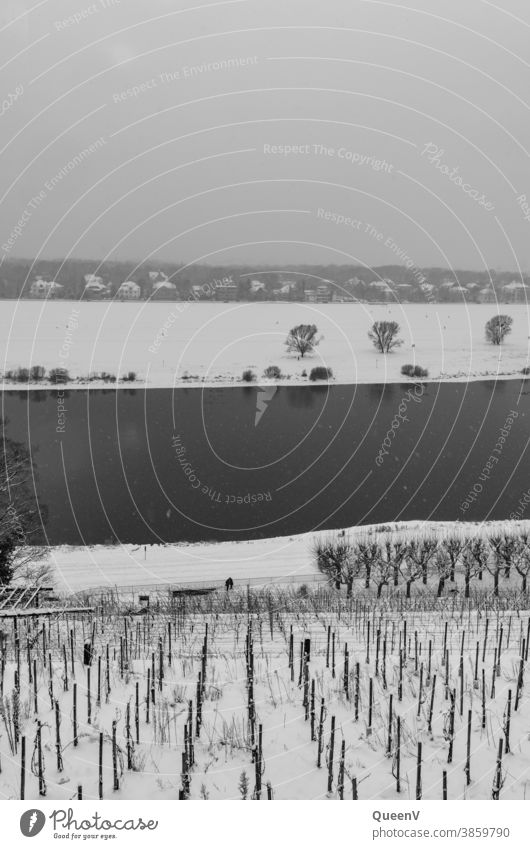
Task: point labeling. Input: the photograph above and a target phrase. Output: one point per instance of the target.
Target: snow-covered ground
(212, 343)
(264, 562)
(131, 648)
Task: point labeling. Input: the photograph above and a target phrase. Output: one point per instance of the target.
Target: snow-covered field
(154, 661)
(255, 561)
(214, 343)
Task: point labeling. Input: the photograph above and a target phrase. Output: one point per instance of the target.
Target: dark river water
(155, 465)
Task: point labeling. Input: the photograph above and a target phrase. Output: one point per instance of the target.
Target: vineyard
(269, 694)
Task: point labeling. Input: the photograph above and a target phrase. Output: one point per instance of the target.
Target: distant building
(257, 286)
(514, 292)
(226, 291)
(95, 287)
(129, 291)
(41, 288)
(310, 296)
(487, 295)
(323, 294)
(163, 288)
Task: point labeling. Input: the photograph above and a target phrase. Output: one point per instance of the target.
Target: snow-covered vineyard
(280, 694)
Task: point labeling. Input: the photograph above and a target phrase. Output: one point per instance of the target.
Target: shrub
(130, 377)
(525, 370)
(304, 373)
(320, 373)
(497, 328)
(414, 371)
(273, 372)
(20, 375)
(248, 376)
(107, 377)
(59, 375)
(37, 373)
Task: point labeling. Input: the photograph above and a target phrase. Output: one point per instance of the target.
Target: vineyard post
(390, 720)
(330, 755)
(100, 773)
(74, 714)
(467, 768)
(58, 748)
(22, 768)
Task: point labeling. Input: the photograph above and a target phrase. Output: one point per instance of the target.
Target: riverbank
(170, 345)
(268, 561)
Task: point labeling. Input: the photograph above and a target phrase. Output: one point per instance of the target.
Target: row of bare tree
(385, 563)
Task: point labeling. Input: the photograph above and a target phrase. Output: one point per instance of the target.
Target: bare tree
(382, 568)
(384, 335)
(302, 339)
(21, 558)
(497, 328)
(479, 550)
(471, 568)
(453, 546)
(494, 564)
(367, 553)
(335, 560)
(410, 568)
(522, 560)
(443, 567)
(395, 552)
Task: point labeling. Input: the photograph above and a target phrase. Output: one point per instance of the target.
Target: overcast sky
(409, 124)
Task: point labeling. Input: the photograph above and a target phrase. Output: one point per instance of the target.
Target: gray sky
(411, 123)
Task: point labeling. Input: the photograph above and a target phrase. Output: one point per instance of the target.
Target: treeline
(402, 563)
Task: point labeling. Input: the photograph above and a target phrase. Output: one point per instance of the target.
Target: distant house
(257, 286)
(41, 288)
(341, 296)
(226, 291)
(310, 296)
(323, 293)
(163, 288)
(129, 291)
(514, 292)
(487, 295)
(381, 289)
(95, 287)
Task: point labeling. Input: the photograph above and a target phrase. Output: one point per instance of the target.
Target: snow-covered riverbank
(201, 344)
(266, 561)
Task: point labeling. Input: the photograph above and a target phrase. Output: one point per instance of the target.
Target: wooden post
(390, 720)
(88, 697)
(467, 768)
(320, 734)
(418, 773)
(330, 755)
(431, 706)
(497, 781)
(40, 761)
(357, 690)
(58, 747)
(313, 709)
(100, 769)
(444, 785)
(115, 756)
(398, 755)
(451, 727)
(507, 722)
(74, 714)
(340, 782)
(22, 767)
